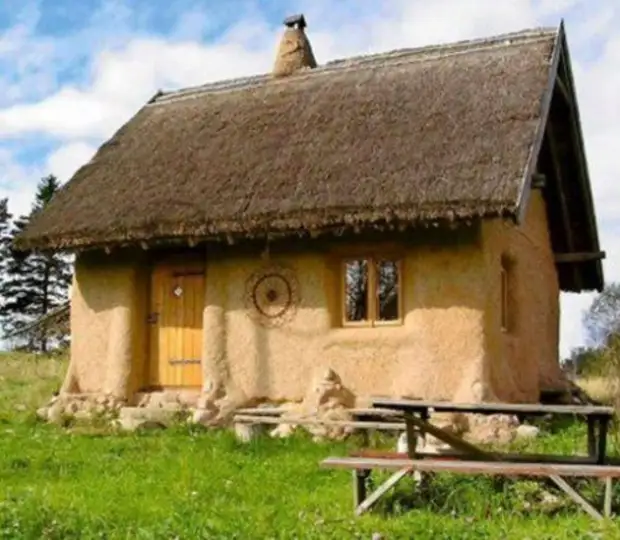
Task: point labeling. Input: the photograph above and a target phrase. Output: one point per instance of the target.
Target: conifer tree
(5, 247)
(36, 283)
(5, 236)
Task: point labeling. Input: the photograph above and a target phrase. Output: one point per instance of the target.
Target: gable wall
(524, 360)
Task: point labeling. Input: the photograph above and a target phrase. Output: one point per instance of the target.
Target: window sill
(371, 324)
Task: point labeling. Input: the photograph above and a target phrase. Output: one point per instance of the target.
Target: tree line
(32, 284)
(600, 356)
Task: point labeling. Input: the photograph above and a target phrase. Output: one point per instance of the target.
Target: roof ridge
(531, 34)
(394, 57)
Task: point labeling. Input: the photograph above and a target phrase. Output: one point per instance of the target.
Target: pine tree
(5, 248)
(5, 236)
(36, 282)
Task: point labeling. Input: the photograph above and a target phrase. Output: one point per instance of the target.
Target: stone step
(131, 418)
(163, 398)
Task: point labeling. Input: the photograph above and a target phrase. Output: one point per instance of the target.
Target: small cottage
(406, 220)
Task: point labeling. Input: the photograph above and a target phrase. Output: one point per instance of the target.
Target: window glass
(356, 290)
(504, 298)
(388, 290)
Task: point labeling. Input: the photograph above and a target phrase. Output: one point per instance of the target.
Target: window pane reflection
(388, 284)
(356, 289)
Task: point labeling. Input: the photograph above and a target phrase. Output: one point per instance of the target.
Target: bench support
(576, 497)
(557, 473)
(363, 503)
(608, 493)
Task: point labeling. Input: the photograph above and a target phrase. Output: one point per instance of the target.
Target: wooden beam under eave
(579, 257)
(558, 174)
(564, 92)
(539, 181)
(565, 77)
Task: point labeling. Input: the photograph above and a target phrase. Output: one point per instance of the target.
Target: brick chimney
(294, 52)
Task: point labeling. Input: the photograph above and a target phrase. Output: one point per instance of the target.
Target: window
(505, 296)
(372, 291)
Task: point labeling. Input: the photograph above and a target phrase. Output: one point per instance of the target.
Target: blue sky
(72, 72)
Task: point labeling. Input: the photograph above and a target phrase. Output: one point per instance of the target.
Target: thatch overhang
(394, 140)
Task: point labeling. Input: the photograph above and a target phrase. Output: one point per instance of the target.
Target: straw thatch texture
(411, 135)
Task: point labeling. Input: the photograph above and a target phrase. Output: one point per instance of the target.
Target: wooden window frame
(371, 321)
(505, 301)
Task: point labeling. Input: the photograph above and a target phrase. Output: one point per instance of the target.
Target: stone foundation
(80, 406)
(326, 398)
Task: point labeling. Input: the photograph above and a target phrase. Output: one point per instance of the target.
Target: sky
(72, 73)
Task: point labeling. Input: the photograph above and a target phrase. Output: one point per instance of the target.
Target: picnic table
(468, 458)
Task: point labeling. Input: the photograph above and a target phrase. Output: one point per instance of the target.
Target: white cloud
(122, 81)
(126, 67)
(17, 182)
(24, 67)
(67, 159)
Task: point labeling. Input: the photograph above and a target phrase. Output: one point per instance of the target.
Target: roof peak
(425, 52)
(509, 38)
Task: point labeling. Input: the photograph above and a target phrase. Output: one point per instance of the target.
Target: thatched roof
(435, 133)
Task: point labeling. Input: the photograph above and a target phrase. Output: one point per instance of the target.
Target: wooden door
(177, 302)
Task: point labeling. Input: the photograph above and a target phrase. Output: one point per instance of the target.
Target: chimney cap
(296, 20)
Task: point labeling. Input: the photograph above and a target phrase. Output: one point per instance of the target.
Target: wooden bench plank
(523, 458)
(384, 454)
(359, 412)
(491, 408)
(249, 419)
(475, 467)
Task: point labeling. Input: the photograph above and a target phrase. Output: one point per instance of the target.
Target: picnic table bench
(468, 458)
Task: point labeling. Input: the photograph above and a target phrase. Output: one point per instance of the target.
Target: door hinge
(152, 318)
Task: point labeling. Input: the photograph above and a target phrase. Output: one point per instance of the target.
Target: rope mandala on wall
(272, 295)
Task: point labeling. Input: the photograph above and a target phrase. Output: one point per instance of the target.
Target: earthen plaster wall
(450, 344)
(108, 334)
(524, 359)
(437, 351)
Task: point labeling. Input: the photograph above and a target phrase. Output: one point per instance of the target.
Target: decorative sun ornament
(272, 295)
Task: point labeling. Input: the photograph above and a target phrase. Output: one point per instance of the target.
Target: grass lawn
(191, 483)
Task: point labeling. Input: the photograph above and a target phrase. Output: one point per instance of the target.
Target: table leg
(413, 434)
(425, 416)
(359, 486)
(592, 436)
(608, 493)
(412, 439)
(602, 440)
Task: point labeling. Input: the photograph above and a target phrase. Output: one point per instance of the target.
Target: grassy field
(600, 388)
(188, 483)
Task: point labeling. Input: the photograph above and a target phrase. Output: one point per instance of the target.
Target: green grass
(190, 483)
